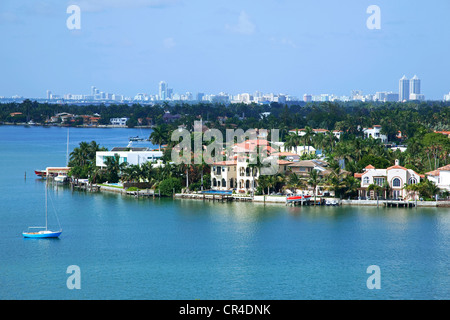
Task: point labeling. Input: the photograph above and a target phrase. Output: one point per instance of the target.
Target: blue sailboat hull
(46, 234)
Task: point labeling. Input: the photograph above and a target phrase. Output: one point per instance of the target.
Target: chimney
(397, 162)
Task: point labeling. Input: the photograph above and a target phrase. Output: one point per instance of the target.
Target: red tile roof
(226, 163)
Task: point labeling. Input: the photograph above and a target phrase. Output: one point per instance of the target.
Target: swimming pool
(217, 192)
(115, 184)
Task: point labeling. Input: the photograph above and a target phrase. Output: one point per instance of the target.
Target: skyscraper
(414, 85)
(403, 94)
(162, 90)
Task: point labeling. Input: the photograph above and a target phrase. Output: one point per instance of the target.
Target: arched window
(224, 183)
(396, 182)
(366, 180)
(412, 180)
(247, 184)
(214, 182)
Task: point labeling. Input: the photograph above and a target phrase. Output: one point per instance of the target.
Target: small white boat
(61, 177)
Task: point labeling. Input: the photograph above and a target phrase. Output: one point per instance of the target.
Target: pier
(399, 204)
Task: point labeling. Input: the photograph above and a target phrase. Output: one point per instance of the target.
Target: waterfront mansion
(236, 173)
(391, 180)
(441, 177)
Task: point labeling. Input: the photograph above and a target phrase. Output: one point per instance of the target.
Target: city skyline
(279, 46)
(409, 90)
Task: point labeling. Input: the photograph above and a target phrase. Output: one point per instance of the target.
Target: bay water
(128, 248)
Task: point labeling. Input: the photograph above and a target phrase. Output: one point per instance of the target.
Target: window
(412, 180)
(366, 180)
(379, 181)
(396, 182)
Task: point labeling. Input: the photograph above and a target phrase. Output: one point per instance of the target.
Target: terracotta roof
(434, 173)
(358, 175)
(396, 167)
(445, 168)
(226, 163)
(284, 162)
(285, 154)
(309, 163)
(370, 167)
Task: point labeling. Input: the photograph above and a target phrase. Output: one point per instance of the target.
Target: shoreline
(101, 126)
(267, 199)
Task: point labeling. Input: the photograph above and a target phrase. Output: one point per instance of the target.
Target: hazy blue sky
(280, 46)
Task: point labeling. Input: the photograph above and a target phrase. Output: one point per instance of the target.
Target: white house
(396, 176)
(119, 121)
(440, 177)
(133, 156)
(302, 132)
(375, 133)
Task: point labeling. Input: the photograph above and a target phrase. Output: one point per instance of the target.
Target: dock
(399, 204)
(206, 197)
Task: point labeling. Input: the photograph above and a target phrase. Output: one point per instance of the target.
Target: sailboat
(45, 232)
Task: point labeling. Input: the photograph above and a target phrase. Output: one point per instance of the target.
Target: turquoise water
(128, 248)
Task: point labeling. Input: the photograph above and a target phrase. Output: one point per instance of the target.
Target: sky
(281, 46)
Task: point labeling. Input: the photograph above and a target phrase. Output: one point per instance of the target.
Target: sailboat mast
(46, 213)
(67, 151)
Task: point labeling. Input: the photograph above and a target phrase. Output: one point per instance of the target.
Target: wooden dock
(399, 204)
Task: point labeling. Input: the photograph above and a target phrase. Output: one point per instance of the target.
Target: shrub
(167, 186)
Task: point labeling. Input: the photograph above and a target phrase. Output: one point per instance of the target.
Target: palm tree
(114, 168)
(131, 173)
(314, 180)
(295, 182)
(351, 185)
(330, 141)
(265, 182)
(158, 136)
(309, 133)
(293, 140)
(336, 178)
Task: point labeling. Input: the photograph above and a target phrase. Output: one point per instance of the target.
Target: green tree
(314, 180)
(114, 168)
(168, 186)
(159, 136)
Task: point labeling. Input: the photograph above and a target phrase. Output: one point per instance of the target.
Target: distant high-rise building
(163, 90)
(403, 93)
(200, 96)
(307, 98)
(414, 85)
(391, 97)
(49, 94)
(380, 96)
(169, 93)
(93, 91)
